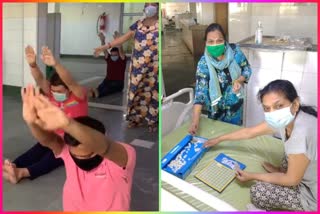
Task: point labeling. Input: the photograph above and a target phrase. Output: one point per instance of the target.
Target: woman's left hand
(236, 86)
(243, 176)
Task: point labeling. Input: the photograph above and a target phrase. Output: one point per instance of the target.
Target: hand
(97, 51)
(102, 37)
(236, 86)
(212, 142)
(28, 109)
(243, 176)
(193, 128)
(47, 57)
(30, 55)
(50, 117)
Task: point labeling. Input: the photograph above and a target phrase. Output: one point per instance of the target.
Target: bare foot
(13, 174)
(10, 172)
(133, 124)
(93, 93)
(270, 168)
(152, 128)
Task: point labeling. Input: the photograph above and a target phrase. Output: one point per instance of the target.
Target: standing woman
(143, 80)
(221, 74)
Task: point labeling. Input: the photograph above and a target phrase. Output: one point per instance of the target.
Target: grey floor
(45, 193)
(178, 64)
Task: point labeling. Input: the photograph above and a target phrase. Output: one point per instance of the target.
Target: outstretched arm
(116, 42)
(121, 52)
(46, 138)
(35, 70)
(103, 42)
(52, 118)
(244, 133)
(63, 73)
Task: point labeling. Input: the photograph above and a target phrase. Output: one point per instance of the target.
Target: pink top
(73, 106)
(105, 188)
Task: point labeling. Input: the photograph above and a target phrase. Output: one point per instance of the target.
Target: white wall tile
(13, 10)
(12, 24)
(266, 59)
(12, 36)
(309, 99)
(18, 32)
(13, 74)
(261, 77)
(30, 10)
(309, 83)
(278, 19)
(30, 23)
(294, 61)
(294, 77)
(29, 38)
(311, 65)
(13, 53)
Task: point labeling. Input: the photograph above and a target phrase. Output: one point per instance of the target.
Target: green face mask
(216, 50)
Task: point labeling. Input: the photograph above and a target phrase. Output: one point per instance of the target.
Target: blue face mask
(150, 10)
(60, 97)
(114, 58)
(279, 118)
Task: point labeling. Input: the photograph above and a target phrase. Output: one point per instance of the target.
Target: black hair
(114, 49)
(87, 121)
(213, 27)
(151, 3)
(287, 89)
(55, 80)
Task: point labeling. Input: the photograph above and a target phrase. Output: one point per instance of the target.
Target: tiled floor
(178, 65)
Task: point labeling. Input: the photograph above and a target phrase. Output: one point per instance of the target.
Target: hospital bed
(191, 194)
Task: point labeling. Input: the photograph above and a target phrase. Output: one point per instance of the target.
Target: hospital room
(239, 107)
(76, 55)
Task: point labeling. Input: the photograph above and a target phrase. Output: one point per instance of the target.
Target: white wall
(78, 26)
(20, 28)
(175, 8)
(278, 19)
(239, 25)
(205, 13)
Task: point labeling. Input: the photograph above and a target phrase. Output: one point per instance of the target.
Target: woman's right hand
(193, 128)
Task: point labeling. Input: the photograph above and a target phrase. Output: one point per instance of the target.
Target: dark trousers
(107, 87)
(39, 160)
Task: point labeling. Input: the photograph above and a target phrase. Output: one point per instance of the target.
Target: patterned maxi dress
(143, 83)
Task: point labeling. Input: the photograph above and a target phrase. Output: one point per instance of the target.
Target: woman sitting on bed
(293, 185)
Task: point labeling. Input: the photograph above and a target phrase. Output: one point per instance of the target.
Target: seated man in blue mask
(116, 67)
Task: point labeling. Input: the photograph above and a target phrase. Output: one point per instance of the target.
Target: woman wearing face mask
(63, 92)
(143, 85)
(99, 171)
(293, 185)
(221, 73)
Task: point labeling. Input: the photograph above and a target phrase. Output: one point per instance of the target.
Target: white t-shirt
(304, 140)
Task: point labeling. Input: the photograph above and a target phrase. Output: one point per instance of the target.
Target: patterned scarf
(213, 64)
